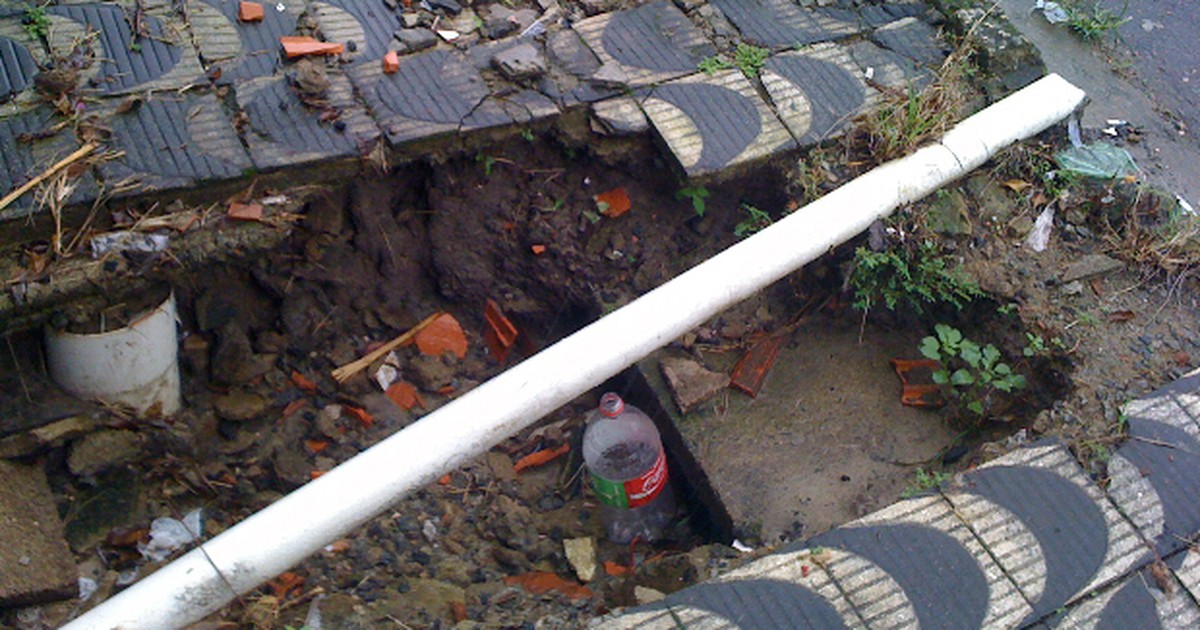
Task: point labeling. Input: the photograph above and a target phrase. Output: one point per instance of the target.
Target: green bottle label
(610, 492)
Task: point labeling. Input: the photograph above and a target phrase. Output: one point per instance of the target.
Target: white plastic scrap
(87, 588)
(125, 241)
(1039, 236)
(1184, 205)
(741, 546)
(535, 29)
(389, 372)
(168, 534)
(312, 620)
(1054, 13)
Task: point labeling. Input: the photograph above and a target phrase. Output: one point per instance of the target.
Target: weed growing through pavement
(749, 59)
(755, 221)
(713, 64)
(1093, 21)
(924, 480)
(697, 194)
(970, 372)
(36, 23)
(918, 277)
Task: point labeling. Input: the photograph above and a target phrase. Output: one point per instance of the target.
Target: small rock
(103, 450)
(33, 440)
(500, 21)
(37, 566)
(431, 373)
(502, 466)
(410, 19)
(449, 6)
(240, 406)
(1091, 265)
(611, 75)
(690, 382)
(523, 61)
(581, 553)
(415, 39)
(949, 214)
(647, 595)
(618, 117)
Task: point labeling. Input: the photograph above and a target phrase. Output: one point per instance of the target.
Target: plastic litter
(1073, 132)
(741, 546)
(535, 29)
(1100, 160)
(168, 534)
(1052, 11)
(87, 588)
(128, 242)
(312, 620)
(1184, 205)
(1039, 236)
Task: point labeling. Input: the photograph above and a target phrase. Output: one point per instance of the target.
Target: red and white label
(642, 490)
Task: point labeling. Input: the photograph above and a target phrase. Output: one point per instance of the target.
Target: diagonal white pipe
(269, 542)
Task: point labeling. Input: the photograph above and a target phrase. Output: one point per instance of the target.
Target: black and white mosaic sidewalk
(1029, 540)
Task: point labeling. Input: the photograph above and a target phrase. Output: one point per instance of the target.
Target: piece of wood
(79, 154)
(354, 367)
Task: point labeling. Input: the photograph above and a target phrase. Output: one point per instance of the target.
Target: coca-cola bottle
(628, 468)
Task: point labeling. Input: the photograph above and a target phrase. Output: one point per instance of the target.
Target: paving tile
(163, 60)
(240, 51)
(781, 24)
(21, 160)
(940, 576)
(282, 130)
(438, 92)
(1155, 481)
(913, 39)
(880, 14)
(1017, 506)
(713, 122)
(817, 91)
(368, 24)
(888, 69)
(785, 589)
(174, 141)
(1186, 392)
(1134, 602)
(1168, 405)
(35, 563)
(1187, 570)
(648, 44)
(17, 65)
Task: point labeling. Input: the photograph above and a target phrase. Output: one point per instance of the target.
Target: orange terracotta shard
(616, 569)
(501, 334)
(245, 211)
(316, 446)
(751, 371)
(391, 62)
(361, 414)
(303, 383)
(613, 203)
(537, 250)
(541, 458)
(443, 334)
(921, 394)
(404, 395)
(295, 46)
(250, 12)
(539, 582)
(285, 584)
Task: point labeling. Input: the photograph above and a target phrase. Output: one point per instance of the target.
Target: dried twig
(79, 154)
(354, 367)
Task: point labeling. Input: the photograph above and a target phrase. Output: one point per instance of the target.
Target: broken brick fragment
(751, 371)
(250, 12)
(391, 62)
(501, 334)
(245, 211)
(613, 203)
(296, 46)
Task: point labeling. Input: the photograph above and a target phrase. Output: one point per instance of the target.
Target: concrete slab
(162, 59)
(22, 159)
(886, 68)
(283, 131)
(439, 92)
(714, 122)
(938, 574)
(913, 39)
(788, 589)
(17, 63)
(874, 15)
(781, 24)
(1186, 393)
(1135, 602)
(649, 44)
(173, 141)
(817, 91)
(365, 28)
(1017, 506)
(35, 564)
(240, 51)
(1155, 479)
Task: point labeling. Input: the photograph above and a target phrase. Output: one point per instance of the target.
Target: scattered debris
(581, 553)
(391, 62)
(344, 372)
(691, 383)
(1039, 236)
(405, 395)
(537, 249)
(539, 582)
(751, 371)
(541, 458)
(501, 334)
(1052, 11)
(443, 334)
(297, 46)
(245, 211)
(613, 203)
(16, 193)
(647, 595)
(169, 534)
(921, 394)
(250, 12)
(125, 241)
(741, 546)
(1100, 160)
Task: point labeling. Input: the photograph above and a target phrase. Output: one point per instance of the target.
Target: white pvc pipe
(283, 534)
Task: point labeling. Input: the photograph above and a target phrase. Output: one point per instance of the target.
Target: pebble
(550, 502)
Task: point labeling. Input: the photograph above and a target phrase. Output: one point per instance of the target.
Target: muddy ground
(520, 225)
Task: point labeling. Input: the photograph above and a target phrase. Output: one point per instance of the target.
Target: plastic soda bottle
(628, 469)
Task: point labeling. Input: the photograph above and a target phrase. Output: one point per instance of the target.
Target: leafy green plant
(527, 135)
(970, 372)
(36, 23)
(697, 194)
(924, 480)
(1036, 345)
(487, 161)
(755, 220)
(1007, 309)
(750, 59)
(713, 65)
(917, 278)
(1093, 21)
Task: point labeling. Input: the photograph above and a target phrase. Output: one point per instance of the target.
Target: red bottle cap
(611, 405)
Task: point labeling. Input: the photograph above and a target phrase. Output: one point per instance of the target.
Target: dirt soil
(376, 255)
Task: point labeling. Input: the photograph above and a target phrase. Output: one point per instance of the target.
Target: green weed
(924, 480)
(36, 23)
(1093, 21)
(970, 372)
(755, 220)
(487, 161)
(750, 59)
(917, 278)
(697, 194)
(713, 65)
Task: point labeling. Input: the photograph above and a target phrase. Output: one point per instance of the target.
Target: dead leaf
(443, 334)
(1016, 185)
(404, 395)
(539, 582)
(613, 203)
(1162, 577)
(129, 104)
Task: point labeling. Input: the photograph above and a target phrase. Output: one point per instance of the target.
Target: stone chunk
(415, 39)
(523, 61)
(35, 564)
(449, 6)
(691, 383)
(240, 406)
(618, 117)
(103, 450)
(1091, 265)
